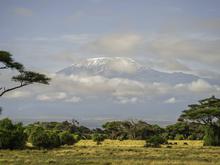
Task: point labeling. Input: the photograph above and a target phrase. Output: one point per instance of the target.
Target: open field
(115, 152)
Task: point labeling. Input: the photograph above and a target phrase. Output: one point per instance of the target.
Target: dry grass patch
(115, 152)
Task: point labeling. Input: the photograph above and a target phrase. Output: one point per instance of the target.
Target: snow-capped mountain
(107, 66)
(128, 68)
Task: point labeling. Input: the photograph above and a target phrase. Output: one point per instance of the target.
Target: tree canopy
(23, 78)
(207, 111)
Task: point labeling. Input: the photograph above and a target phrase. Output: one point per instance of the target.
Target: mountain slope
(128, 68)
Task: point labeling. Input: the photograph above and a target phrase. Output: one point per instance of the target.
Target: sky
(168, 36)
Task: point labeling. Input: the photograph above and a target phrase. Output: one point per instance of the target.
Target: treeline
(55, 134)
(199, 122)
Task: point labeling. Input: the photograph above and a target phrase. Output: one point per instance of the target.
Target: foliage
(179, 137)
(29, 77)
(212, 136)
(8, 61)
(207, 112)
(73, 127)
(186, 130)
(67, 138)
(155, 141)
(98, 138)
(41, 138)
(54, 139)
(76, 137)
(12, 136)
(122, 130)
(23, 78)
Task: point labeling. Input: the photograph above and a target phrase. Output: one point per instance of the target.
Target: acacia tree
(23, 78)
(207, 113)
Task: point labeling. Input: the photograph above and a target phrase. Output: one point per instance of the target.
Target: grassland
(115, 152)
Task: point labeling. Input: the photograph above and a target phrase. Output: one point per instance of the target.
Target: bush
(179, 137)
(12, 136)
(155, 141)
(212, 136)
(54, 139)
(67, 138)
(192, 137)
(122, 137)
(98, 138)
(41, 138)
(76, 137)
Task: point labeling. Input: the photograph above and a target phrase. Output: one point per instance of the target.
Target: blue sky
(170, 36)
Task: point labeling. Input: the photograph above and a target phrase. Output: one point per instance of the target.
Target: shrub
(98, 138)
(54, 139)
(179, 137)
(67, 138)
(76, 137)
(212, 136)
(12, 136)
(192, 137)
(155, 141)
(122, 137)
(41, 138)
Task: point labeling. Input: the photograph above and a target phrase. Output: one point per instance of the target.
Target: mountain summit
(123, 67)
(103, 65)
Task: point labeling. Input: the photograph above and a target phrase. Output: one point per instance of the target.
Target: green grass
(115, 152)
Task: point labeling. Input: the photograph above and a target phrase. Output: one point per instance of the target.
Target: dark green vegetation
(55, 134)
(98, 138)
(155, 141)
(44, 139)
(11, 135)
(23, 77)
(200, 121)
(52, 134)
(207, 113)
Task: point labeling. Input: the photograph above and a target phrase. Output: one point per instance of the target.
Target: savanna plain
(185, 152)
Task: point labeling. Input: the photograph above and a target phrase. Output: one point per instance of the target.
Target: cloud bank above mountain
(124, 82)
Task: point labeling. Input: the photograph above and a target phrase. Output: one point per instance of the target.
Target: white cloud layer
(192, 49)
(17, 94)
(52, 96)
(116, 44)
(171, 100)
(73, 99)
(76, 88)
(198, 86)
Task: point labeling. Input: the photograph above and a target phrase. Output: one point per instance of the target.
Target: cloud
(171, 100)
(169, 65)
(125, 100)
(198, 86)
(76, 88)
(115, 44)
(77, 38)
(175, 66)
(94, 85)
(191, 49)
(52, 96)
(21, 11)
(17, 94)
(124, 65)
(73, 99)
